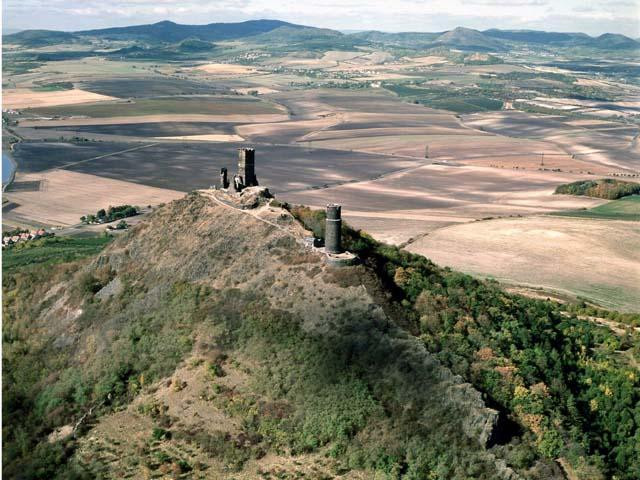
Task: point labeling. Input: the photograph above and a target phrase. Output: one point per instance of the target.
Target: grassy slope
(627, 208)
(50, 251)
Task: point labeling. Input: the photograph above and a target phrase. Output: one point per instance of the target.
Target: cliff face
(211, 320)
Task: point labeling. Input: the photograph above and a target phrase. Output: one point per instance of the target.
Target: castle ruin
(246, 175)
(333, 252)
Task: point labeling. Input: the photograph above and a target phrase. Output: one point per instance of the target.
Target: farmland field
(188, 166)
(144, 87)
(38, 156)
(206, 105)
(27, 98)
(597, 260)
(152, 129)
(627, 208)
(409, 144)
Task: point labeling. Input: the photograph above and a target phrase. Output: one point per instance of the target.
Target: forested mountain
(171, 32)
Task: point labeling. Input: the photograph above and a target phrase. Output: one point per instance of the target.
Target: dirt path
(251, 214)
(101, 156)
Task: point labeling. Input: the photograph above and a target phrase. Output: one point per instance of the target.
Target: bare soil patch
(226, 69)
(18, 98)
(220, 137)
(67, 196)
(400, 206)
(258, 90)
(117, 120)
(596, 259)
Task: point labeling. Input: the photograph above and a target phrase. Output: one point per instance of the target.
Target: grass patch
(627, 208)
(157, 106)
(49, 251)
(469, 100)
(53, 87)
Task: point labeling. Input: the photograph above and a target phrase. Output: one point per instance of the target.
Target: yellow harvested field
(226, 69)
(429, 60)
(16, 98)
(338, 56)
(259, 90)
(232, 118)
(383, 76)
(308, 62)
(595, 259)
(65, 196)
(206, 138)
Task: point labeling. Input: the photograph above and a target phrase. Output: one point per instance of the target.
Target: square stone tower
(246, 167)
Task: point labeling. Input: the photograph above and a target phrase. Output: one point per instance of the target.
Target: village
(18, 236)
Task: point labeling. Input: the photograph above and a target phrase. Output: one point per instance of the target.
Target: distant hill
(606, 41)
(38, 38)
(462, 38)
(170, 32)
(401, 39)
(466, 38)
(615, 41)
(292, 37)
(535, 36)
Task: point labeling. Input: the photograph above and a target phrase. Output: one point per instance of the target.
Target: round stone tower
(333, 229)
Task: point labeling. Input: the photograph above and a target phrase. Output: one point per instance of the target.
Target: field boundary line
(102, 156)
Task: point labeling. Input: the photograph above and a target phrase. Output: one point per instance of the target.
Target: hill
(607, 41)
(612, 41)
(170, 32)
(38, 38)
(289, 38)
(462, 38)
(209, 342)
(401, 39)
(466, 38)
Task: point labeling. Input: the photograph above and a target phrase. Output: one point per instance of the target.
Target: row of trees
(111, 214)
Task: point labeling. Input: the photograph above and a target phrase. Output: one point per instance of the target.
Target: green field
(627, 208)
(53, 87)
(469, 100)
(50, 251)
(210, 105)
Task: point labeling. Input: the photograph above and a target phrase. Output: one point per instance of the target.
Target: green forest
(607, 188)
(571, 383)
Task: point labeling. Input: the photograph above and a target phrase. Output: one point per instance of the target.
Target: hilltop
(469, 39)
(167, 31)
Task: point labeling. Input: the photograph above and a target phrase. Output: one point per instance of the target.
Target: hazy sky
(590, 16)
